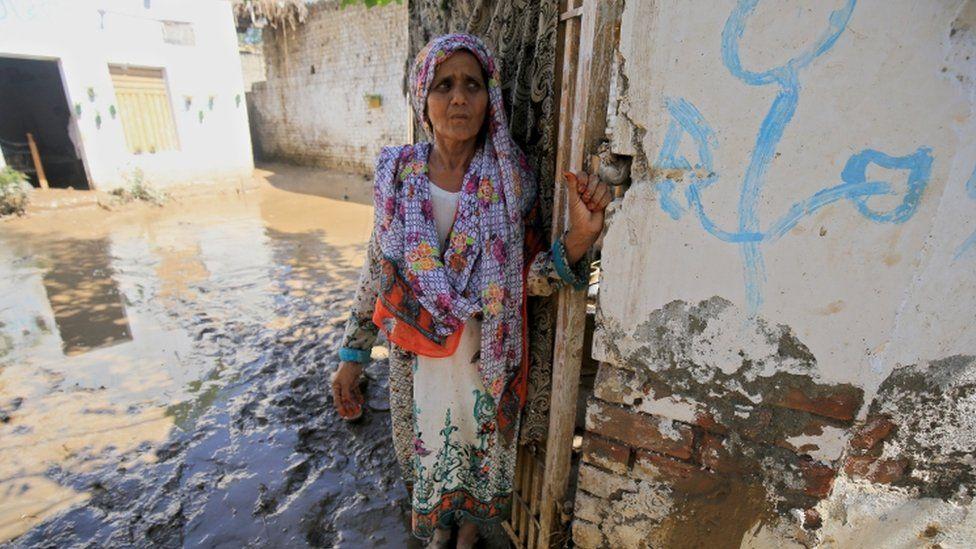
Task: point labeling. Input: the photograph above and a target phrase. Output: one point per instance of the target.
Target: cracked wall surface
(786, 313)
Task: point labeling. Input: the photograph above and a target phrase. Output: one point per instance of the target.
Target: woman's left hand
(588, 199)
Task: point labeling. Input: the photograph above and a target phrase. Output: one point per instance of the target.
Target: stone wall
(334, 90)
(785, 323)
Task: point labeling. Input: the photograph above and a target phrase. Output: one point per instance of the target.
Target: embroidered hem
(460, 504)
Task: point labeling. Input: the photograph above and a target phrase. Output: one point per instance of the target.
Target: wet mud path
(163, 378)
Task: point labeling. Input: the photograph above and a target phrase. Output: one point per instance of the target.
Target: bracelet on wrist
(560, 263)
(348, 354)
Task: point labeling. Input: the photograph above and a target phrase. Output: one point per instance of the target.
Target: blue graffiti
(969, 244)
(919, 166)
(686, 119)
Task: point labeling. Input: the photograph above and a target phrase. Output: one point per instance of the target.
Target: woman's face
(458, 98)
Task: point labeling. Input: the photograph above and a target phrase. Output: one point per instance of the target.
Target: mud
(163, 377)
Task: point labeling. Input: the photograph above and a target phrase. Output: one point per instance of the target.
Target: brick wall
(696, 440)
(671, 460)
(678, 452)
(313, 108)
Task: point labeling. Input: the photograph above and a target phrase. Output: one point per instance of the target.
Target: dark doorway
(32, 101)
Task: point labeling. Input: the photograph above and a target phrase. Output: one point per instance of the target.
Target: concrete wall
(85, 36)
(312, 109)
(786, 311)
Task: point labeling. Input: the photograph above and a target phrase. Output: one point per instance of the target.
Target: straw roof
(276, 13)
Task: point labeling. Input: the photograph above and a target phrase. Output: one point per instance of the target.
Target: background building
(107, 87)
(334, 90)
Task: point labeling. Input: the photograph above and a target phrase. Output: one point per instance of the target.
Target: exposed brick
(682, 476)
(614, 385)
(834, 401)
(707, 421)
(713, 453)
(812, 519)
(587, 535)
(882, 471)
(603, 484)
(756, 425)
(640, 430)
(874, 430)
(605, 453)
(589, 508)
(818, 478)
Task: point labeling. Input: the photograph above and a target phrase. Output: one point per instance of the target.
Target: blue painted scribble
(969, 244)
(686, 119)
(919, 166)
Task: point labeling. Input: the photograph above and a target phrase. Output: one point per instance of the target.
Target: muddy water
(162, 375)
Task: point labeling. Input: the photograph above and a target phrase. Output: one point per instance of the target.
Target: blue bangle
(348, 354)
(564, 272)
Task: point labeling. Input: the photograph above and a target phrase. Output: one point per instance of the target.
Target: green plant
(138, 188)
(14, 190)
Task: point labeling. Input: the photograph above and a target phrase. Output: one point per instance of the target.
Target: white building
(107, 87)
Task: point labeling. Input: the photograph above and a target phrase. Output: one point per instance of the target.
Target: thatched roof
(276, 13)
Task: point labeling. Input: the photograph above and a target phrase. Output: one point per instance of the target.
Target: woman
(454, 253)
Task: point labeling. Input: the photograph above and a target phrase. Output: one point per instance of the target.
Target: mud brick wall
(315, 107)
(679, 453)
(675, 452)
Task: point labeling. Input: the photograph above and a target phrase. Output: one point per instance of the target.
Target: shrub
(139, 189)
(14, 191)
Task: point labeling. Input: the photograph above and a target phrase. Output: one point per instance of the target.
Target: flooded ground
(163, 374)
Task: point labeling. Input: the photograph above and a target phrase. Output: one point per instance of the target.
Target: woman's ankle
(467, 535)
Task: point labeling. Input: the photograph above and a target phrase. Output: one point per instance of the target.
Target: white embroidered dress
(458, 455)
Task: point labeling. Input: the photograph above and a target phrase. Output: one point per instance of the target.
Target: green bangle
(348, 354)
(562, 269)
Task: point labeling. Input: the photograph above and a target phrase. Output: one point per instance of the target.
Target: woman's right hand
(346, 396)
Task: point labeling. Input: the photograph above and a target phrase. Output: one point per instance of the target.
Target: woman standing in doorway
(455, 251)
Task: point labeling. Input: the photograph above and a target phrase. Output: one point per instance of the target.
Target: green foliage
(369, 3)
(14, 190)
(138, 188)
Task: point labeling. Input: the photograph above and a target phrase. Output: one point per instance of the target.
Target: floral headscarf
(481, 269)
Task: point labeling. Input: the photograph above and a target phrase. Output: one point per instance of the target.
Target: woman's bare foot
(440, 539)
(467, 535)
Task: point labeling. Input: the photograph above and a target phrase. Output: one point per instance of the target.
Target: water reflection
(85, 299)
(114, 336)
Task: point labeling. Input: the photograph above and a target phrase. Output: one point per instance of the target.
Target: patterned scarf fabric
(481, 269)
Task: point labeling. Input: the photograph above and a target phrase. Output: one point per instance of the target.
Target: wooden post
(36, 156)
(590, 37)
